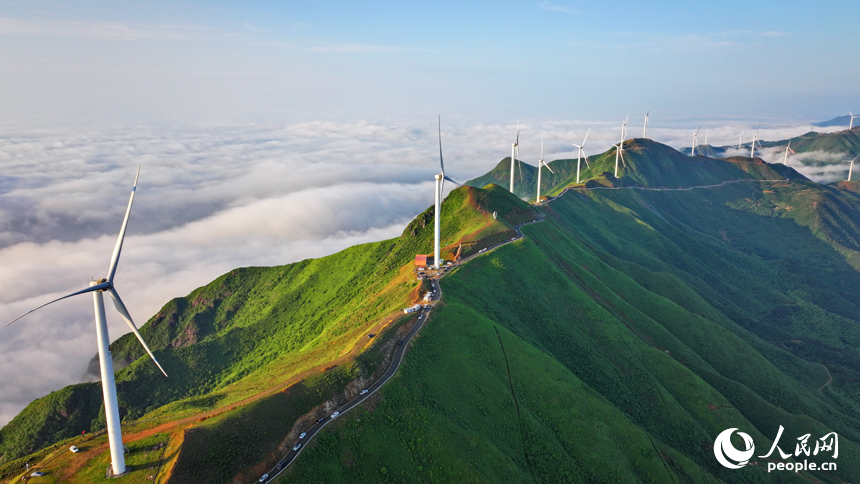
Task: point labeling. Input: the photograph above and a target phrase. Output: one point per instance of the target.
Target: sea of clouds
(214, 198)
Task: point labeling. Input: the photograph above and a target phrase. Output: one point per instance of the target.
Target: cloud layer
(211, 199)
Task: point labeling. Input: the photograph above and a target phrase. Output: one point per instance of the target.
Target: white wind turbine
(581, 154)
(787, 150)
(741, 138)
(644, 128)
(696, 140)
(98, 288)
(437, 215)
(515, 150)
(706, 136)
(755, 140)
(541, 163)
(620, 146)
(851, 119)
(851, 168)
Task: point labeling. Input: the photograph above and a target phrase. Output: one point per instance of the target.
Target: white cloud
(10, 26)
(552, 7)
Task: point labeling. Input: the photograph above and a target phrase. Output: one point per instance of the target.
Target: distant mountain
(837, 121)
(844, 143)
(646, 163)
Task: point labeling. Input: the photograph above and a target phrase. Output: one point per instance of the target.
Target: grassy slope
(254, 327)
(663, 317)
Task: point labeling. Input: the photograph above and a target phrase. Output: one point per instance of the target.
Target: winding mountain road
(399, 353)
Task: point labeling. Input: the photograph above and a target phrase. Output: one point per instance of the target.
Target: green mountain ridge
(845, 142)
(236, 335)
(614, 342)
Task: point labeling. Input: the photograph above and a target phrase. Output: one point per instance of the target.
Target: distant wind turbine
(620, 146)
(741, 139)
(98, 288)
(581, 154)
(706, 137)
(851, 119)
(541, 163)
(787, 150)
(755, 140)
(696, 140)
(515, 150)
(437, 215)
(645, 128)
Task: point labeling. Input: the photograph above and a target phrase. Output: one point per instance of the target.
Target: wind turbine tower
(644, 128)
(787, 151)
(755, 140)
(98, 288)
(437, 215)
(851, 168)
(620, 145)
(541, 163)
(581, 154)
(696, 140)
(741, 138)
(515, 148)
(851, 117)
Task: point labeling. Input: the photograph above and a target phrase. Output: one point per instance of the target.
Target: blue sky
(131, 62)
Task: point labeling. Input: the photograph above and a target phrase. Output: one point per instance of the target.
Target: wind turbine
(437, 215)
(644, 128)
(851, 168)
(741, 138)
(515, 150)
(787, 150)
(755, 140)
(851, 121)
(706, 136)
(581, 154)
(98, 288)
(696, 140)
(620, 146)
(541, 163)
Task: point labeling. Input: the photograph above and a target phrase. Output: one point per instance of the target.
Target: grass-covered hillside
(255, 327)
(620, 337)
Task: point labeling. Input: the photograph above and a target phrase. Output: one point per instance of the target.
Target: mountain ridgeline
(641, 318)
(845, 143)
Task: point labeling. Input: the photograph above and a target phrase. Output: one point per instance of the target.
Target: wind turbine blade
(452, 180)
(541, 146)
(97, 287)
(114, 259)
(120, 307)
(586, 158)
(441, 163)
(518, 135)
(442, 188)
(586, 138)
(548, 168)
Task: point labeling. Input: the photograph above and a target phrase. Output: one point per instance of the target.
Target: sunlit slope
(254, 327)
(620, 338)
